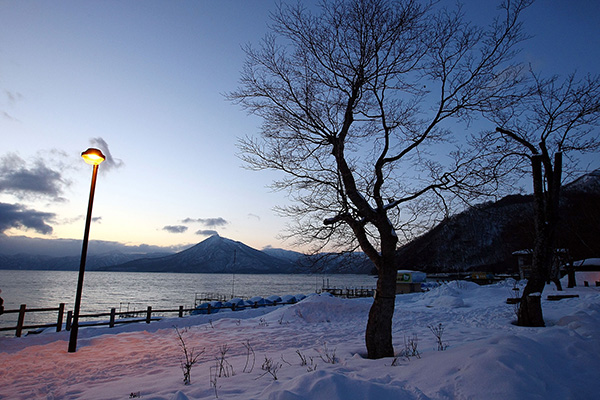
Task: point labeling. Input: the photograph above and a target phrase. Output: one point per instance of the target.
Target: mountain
(588, 183)
(213, 255)
(484, 237)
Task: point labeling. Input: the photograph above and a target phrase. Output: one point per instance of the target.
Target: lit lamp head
(93, 156)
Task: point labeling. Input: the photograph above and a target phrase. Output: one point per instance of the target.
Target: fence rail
(21, 319)
(126, 317)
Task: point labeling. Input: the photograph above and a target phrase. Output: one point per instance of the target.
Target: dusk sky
(145, 81)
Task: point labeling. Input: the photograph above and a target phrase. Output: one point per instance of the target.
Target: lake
(137, 290)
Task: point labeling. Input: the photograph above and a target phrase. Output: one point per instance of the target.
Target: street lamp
(93, 157)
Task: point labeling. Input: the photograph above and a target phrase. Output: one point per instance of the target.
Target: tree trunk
(558, 284)
(571, 274)
(530, 308)
(552, 217)
(545, 209)
(378, 335)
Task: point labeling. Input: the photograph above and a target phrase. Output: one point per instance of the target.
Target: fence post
(113, 312)
(21, 320)
(180, 311)
(69, 320)
(61, 311)
(149, 315)
(208, 309)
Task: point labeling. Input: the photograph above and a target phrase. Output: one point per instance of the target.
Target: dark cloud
(206, 232)
(208, 222)
(72, 247)
(22, 180)
(18, 216)
(175, 228)
(110, 162)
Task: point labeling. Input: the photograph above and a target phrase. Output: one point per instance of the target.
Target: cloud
(175, 228)
(208, 222)
(206, 232)
(110, 162)
(250, 215)
(9, 117)
(22, 180)
(18, 216)
(13, 97)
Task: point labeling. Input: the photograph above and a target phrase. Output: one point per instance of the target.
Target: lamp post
(93, 157)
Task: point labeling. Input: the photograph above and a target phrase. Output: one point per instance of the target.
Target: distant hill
(329, 263)
(483, 237)
(213, 255)
(68, 263)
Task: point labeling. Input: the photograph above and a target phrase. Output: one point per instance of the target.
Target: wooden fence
(126, 317)
(21, 319)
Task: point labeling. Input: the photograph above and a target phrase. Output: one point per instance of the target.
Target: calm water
(137, 290)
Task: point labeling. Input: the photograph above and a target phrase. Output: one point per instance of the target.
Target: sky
(144, 81)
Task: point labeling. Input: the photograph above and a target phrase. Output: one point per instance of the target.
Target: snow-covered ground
(487, 357)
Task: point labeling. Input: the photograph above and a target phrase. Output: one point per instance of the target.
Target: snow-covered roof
(587, 262)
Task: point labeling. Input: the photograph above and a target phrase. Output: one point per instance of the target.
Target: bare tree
(553, 118)
(357, 101)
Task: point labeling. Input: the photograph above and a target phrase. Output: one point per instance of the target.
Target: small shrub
(411, 347)
(224, 368)
(302, 358)
(438, 332)
(249, 352)
(190, 356)
(270, 367)
(327, 354)
(214, 381)
(312, 366)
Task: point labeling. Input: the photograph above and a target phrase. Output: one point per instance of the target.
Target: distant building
(525, 260)
(408, 281)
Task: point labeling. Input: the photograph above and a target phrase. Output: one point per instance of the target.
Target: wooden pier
(349, 293)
